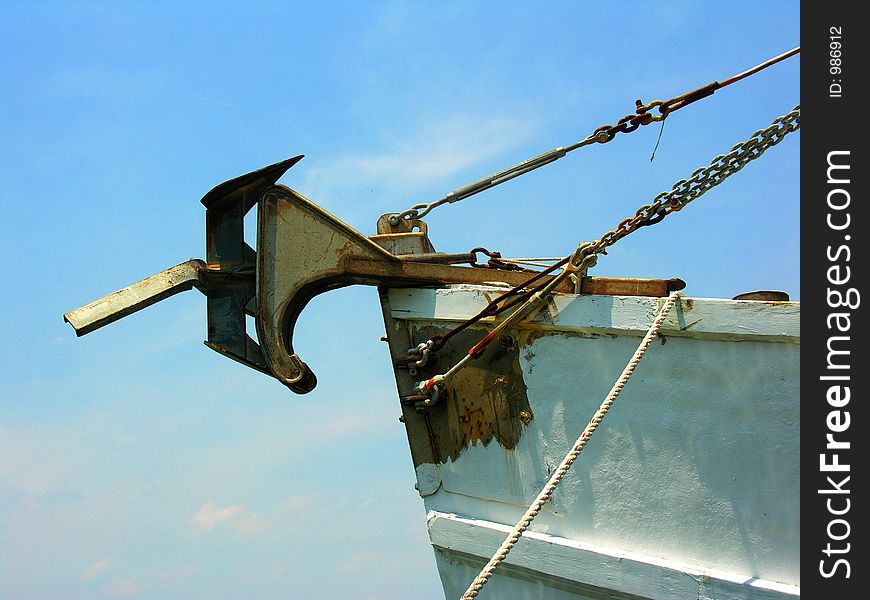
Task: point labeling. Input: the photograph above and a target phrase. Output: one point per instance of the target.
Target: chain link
(585, 256)
(686, 190)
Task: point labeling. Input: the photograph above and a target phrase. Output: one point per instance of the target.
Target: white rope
(515, 534)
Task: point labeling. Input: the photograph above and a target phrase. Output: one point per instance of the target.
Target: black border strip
(833, 282)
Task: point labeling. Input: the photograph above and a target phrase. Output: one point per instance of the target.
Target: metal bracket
(230, 283)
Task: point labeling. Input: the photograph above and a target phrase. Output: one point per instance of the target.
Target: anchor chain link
(685, 191)
(586, 254)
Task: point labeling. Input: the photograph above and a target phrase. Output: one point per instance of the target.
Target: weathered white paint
(619, 315)
(697, 463)
(468, 544)
(428, 479)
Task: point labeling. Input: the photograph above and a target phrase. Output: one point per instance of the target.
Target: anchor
(302, 251)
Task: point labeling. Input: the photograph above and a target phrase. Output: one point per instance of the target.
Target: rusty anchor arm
(130, 299)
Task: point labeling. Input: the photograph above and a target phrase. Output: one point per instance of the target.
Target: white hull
(689, 489)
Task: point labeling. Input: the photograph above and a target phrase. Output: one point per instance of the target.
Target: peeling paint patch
(485, 401)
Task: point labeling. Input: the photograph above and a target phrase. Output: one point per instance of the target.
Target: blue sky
(134, 462)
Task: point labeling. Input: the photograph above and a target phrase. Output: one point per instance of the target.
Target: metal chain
(586, 255)
(686, 190)
(642, 115)
(545, 494)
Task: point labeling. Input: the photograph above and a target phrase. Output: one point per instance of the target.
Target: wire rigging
(643, 115)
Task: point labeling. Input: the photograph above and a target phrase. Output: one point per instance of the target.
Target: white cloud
(436, 149)
(297, 503)
(96, 569)
(238, 518)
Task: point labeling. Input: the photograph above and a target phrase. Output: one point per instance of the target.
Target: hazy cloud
(297, 503)
(238, 518)
(436, 149)
(96, 569)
